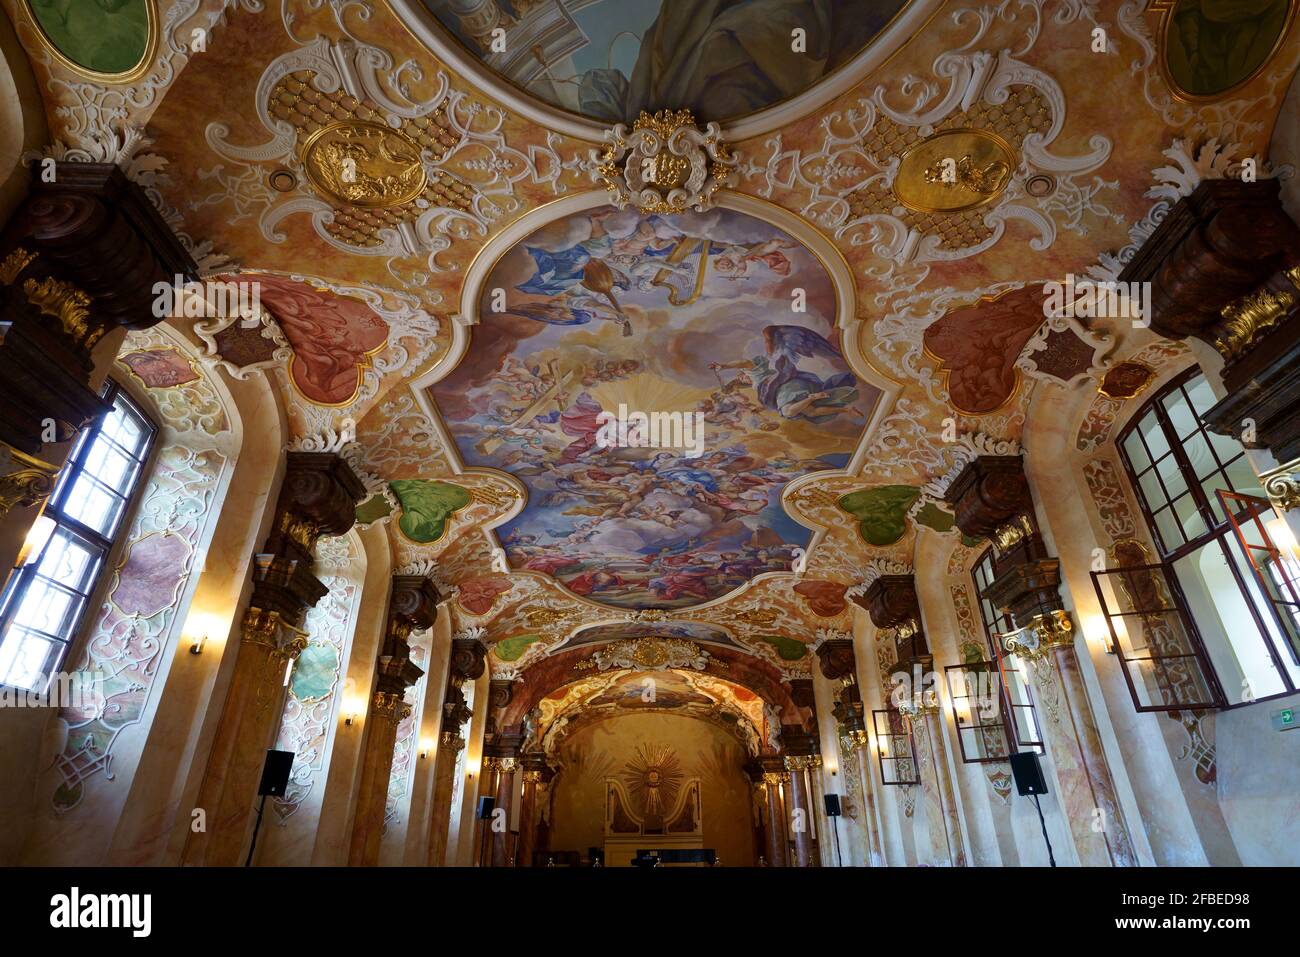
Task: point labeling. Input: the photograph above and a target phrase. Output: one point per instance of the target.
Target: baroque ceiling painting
(609, 60)
(656, 338)
(719, 323)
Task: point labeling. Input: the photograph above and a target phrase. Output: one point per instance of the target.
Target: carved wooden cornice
(99, 231)
(988, 494)
(412, 605)
(890, 599)
(468, 659)
(319, 495)
(1214, 246)
(836, 658)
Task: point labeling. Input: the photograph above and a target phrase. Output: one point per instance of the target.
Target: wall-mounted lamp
(349, 712)
(37, 538)
(196, 648)
(1279, 530)
(425, 746)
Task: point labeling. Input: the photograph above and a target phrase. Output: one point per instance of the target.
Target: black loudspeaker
(1028, 773)
(485, 807)
(275, 773)
(832, 804)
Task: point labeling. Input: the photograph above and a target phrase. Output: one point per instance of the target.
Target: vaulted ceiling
(417, 188)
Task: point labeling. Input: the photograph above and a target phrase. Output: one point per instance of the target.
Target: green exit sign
(1285, 719)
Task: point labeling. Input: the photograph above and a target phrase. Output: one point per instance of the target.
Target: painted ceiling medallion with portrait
(954, 170)
(364, 164)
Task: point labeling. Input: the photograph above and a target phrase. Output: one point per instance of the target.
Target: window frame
(102, 545)
(1217, 531)
(994, 621)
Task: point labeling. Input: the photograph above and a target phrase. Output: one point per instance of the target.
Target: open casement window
(1274, 561)
(894, 748)
(1155, 640)
(1015, 701)
(1199, 628)
(45, 601)
(977, 707)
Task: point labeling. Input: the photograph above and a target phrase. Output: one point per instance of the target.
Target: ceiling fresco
(451, 301)
(719, 323)
(609, 60)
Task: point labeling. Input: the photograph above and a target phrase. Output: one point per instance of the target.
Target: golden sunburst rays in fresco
(653, 778)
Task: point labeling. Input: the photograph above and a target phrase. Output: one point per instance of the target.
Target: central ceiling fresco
(718, 327)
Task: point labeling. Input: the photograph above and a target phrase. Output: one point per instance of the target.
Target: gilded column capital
(802, 762)
(1044, 633)
(452, 740)
(776, 777)
(269, 630)
(504, 765)
(386, 704)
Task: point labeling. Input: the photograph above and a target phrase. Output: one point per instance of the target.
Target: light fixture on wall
(37, 538)
(1279, 530)
(350, 711)
(425, 746)
(196, 648)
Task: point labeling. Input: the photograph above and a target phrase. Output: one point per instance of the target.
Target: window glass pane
(1172, 474)
(1168, 527)
(1227, 447)
(47, 607)
(1152, 490)
(1202, 396)
(93, 506)
(1137, 453)
(1154, 434)
(1243, 478)
(1232, 638)
(124, 428)
(1180, 413)
(1189, 517)
(69, 561)
(1197, 450)
(109, 465)
(25, 659)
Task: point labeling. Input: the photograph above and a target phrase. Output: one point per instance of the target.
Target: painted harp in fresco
(683, 249)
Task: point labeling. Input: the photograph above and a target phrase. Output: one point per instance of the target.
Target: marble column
(318, 497)
(838, 662)
(502, 768)
(774, 777)
(413, 606)
(801, 810)
(537, 774)
(468, 661)
(78, 263)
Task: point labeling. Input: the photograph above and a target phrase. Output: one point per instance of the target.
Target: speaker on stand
(1028, 773)
(486, 805)
(275, 781)
(832, 802)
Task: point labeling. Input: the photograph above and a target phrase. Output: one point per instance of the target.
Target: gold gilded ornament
(364, 164)
(954, 170)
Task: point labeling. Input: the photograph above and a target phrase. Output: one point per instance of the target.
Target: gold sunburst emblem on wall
(653, 779)
(364, 164)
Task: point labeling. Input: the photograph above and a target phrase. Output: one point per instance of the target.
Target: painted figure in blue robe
(801, 375)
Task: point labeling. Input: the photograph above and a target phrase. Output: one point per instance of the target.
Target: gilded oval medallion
(954, 170)
(364, 164)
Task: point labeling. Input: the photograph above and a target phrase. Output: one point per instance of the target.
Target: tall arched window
(1191, 623)
(45, 600)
